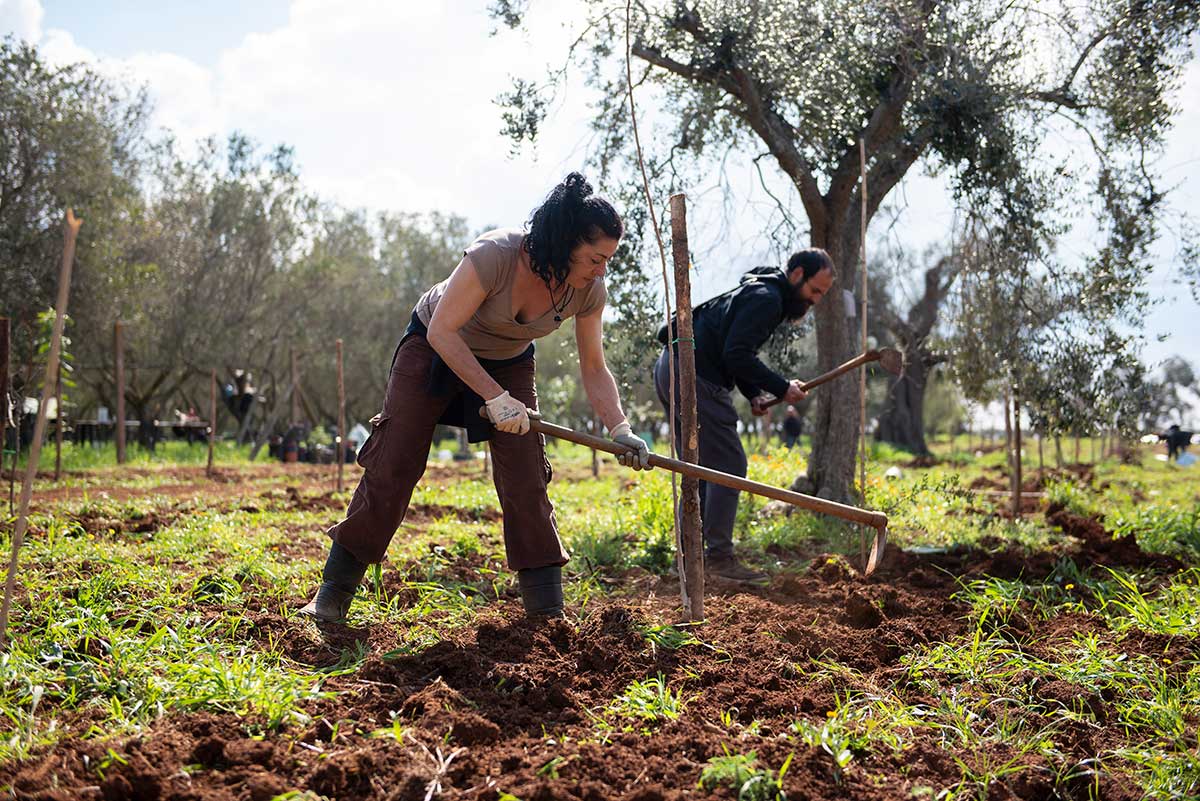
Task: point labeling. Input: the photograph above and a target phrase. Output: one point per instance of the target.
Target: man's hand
(508, 414)
(758, 404)
(795, 394)
(638, 455)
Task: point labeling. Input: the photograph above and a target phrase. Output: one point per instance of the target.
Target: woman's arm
(598, 382)
(463, 296)
(601, 390)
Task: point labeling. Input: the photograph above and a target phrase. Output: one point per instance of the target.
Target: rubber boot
(541, 591)
(340, 579)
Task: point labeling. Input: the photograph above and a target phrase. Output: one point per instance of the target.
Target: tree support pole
(341, 431)
(693, 544)
(58, 422)
(119, 348)
(862, 383)
(212, 422)
(5, 402)
(70, 232)
(1016, 402)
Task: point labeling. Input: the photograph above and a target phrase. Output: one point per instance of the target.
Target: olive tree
(971, 90)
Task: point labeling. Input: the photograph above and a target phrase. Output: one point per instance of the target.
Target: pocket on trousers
(369, 453)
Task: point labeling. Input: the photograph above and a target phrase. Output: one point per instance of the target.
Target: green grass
(649, 700)
(741, 774)
(112, 631)
(171, 452)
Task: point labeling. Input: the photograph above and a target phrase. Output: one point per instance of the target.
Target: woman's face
(589, 261)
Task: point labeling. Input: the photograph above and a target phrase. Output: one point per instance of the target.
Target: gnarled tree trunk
(902, 422)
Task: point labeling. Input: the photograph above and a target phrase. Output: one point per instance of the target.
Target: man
(729, 330)
(792, 427)
(1177, 442)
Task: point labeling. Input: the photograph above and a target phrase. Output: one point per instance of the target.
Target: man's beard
(795, 307)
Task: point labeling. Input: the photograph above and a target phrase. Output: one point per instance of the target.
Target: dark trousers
(720, 449)
(393, 460)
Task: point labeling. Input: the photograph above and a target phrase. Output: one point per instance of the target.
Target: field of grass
(155, 651)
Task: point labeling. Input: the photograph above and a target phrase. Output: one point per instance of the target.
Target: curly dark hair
(569, 216)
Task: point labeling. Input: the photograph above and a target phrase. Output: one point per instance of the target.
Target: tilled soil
(508, 705)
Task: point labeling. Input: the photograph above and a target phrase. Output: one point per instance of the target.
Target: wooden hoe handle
(876, 520)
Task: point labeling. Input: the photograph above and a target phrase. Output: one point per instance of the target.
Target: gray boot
(329, 605)
(341, 576)
(541, 591)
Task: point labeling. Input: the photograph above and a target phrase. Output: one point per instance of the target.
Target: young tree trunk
(1058, 457)
(1016, 453)
(119, 347)
(595, 454)
(1008, 440)
(835, 426)
(903, 420)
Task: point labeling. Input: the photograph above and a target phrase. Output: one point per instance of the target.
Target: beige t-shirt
(493, 332)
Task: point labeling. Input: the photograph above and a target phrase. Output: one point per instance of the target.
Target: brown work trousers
(393, 460)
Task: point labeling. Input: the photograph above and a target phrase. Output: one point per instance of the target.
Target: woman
(469, 347)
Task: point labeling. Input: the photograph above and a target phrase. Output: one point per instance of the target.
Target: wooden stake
(119, 348)
(1008, 454)
(212, 423)
(70, 232)
(341, 431)
(693, 545)
(1016, 452)
(595, 454)
(58, 416)
(5, 401)
(295, 383)
(862, 382)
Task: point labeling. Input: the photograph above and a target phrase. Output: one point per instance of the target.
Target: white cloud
(388, 105)
(22, 18)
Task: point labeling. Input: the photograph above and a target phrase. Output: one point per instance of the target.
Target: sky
(391, 106)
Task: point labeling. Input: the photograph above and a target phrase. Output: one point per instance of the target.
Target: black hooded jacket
(730, 328)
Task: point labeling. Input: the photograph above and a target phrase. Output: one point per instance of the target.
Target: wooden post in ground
(70, 231)
(341, 432)
(5, 401)
(862, 383)
(212, 423)
(119, 349)
(58, 417)
(1016, 400)
(693, 545)
(596, 454)
(1008, 454)
(295, 383)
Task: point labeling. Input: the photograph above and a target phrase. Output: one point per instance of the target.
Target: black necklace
(567, 294)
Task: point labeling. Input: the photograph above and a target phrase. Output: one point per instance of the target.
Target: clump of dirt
(419, 512)
(142, 523)
(1099, 546)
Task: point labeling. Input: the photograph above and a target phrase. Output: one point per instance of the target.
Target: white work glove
(638, 455)
(508, 414)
